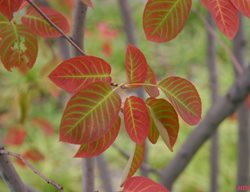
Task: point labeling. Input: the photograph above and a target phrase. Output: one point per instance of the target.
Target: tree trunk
(239, 49)
(223, 108)
(213, 76)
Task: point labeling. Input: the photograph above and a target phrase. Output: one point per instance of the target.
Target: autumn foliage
(92, 116)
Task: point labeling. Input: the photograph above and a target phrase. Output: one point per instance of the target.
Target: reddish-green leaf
(243, 6)
(34, 155)
(75, 73)
(97, 147)
(8, 7)
(88, 2)
(225, 15)
(18, 47)
(136, 65)
(184, 97)
(136, 119)
(134, 162)
(163, 20)
(165, 119)
(15, 136)
(153, 91)
(39, 26)
(142, 184)
(45, 125)
(90, 114)
(153, 131)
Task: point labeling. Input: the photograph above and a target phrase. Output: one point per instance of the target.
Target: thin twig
(33, 169)
(226, 48)
(55, 26)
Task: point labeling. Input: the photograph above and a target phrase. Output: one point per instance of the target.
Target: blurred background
(31, 106)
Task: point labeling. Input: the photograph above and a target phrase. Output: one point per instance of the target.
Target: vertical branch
(9, 174)
(213, 76)
(127, 20)
(104, 174)
(79, 19)
(131, 39)
(239, 49)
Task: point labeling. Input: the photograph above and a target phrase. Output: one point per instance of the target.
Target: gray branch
(10, 176)
(223, 108)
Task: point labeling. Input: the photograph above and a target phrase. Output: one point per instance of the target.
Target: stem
(235, 61)
(55, 26)
(33, 169)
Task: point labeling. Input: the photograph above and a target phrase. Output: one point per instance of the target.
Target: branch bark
(223, 108)
(79, 19)
(213, 76)
(104, 173)
(9, 174)
(239, 49)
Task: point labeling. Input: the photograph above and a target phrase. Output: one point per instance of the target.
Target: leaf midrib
(165, 17)
(177, 99)
(89, 112)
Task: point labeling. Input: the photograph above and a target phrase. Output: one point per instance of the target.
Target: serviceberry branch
(33, 169)
(55, 26)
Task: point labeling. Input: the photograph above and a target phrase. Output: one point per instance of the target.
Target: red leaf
(164, 20)
(97, 147)
(90, 114)
(184, 97)
(18, 47)
(136, 119)
(106, 32)
(248, 102)
(243, 6)
(136, 65)
(153, 91)
(8, 7)
(142, 184)
(107, 48)
(225, 15)
(45, 125)
(78, 72)
(39, 26)
(15, 136)
(88, 3)
(33, 155)
(165, 119)
(135, 160)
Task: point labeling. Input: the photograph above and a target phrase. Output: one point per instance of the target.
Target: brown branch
(223, 108)
(33, 169)
(55, 26)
